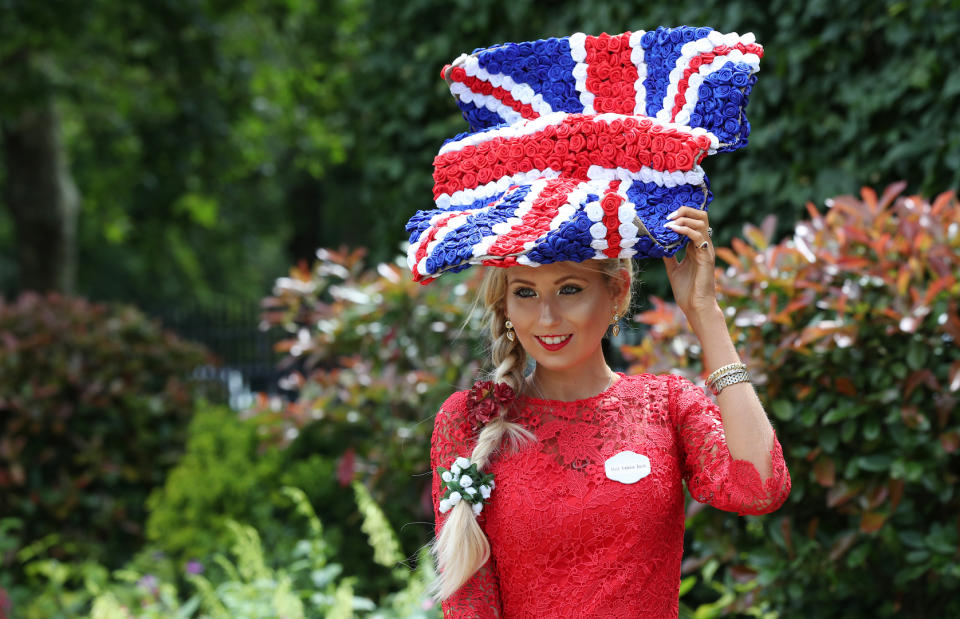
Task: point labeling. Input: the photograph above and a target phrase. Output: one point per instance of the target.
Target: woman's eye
(570, 288)
(522, 292)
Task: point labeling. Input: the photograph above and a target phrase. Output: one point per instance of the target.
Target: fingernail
(671, 225)
(674, 214)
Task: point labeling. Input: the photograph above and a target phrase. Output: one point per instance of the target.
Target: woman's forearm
(748, 432)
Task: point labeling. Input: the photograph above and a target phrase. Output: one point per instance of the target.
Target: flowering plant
(463, 481)
(487, 398)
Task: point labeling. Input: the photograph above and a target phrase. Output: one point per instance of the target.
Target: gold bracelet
(723, 369)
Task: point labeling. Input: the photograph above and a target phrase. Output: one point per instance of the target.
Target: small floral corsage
(463, 481)
(487, 398)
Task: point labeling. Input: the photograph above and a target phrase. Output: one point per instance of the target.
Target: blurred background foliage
(179, 156)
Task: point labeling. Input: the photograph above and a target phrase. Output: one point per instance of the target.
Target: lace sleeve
(711, 473)
(479, 597)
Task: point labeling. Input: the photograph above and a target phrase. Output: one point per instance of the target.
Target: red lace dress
(565, 540)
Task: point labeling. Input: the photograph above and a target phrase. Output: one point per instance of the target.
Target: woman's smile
(553, 342)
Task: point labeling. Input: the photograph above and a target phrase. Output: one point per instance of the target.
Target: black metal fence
(246, 361)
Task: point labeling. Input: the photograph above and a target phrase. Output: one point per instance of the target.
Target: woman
(559, 493)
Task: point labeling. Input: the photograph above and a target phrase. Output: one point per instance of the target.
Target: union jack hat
(581, 146)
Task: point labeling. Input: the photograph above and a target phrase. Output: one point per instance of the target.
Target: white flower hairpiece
(463, 481)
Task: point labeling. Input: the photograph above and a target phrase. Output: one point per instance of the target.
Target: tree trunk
(42, 198)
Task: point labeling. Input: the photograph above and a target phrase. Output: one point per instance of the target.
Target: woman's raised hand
(693, 280)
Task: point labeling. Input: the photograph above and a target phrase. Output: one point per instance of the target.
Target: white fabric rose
(446, 476)
(477, 508)
(463, 463)
(454, 469)
(454, 498)
(485, 491)
(445, 506)
(470, 491)
(466, 481)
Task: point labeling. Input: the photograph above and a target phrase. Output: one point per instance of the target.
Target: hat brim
(551, 220)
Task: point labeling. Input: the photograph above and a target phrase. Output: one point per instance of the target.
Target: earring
(616, 324)
(510, 334)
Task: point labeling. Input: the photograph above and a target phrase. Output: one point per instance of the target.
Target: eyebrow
(564, 278)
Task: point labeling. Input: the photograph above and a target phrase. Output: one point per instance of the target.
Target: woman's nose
(548, 314)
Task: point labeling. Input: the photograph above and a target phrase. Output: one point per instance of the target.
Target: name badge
(627, 467)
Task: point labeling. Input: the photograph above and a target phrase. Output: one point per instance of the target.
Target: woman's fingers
(696, 231)
(689, 211)
(690, 222)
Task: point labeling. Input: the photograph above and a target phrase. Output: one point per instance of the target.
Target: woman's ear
(622, 281)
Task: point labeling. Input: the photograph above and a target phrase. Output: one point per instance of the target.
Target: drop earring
(616, 324)
(510, 334)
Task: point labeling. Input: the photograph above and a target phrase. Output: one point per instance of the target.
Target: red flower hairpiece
(487, 398)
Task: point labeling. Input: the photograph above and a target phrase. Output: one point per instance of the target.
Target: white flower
(466, 481)
(477, 508)
(446, 476)
(485, 491)
(455, 469)
(463, 463)
(470, 491)
(492, 485)
(445, 506)
(454, 498)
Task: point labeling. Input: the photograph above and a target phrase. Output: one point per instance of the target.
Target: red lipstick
(554, 347)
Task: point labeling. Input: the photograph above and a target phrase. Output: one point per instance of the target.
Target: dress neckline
(608, 391)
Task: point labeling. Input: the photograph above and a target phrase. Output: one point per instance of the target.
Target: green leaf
(782, 409)
(875, 463)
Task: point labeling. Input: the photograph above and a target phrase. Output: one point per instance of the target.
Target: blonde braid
(462, 548)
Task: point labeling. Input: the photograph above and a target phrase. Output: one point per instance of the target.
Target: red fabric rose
(610, 203)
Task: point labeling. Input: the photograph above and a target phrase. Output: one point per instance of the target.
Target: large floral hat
(581, 146)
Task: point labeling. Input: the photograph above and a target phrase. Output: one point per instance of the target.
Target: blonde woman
(559, 492)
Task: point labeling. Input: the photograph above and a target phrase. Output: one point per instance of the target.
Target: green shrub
(230, 474)
(852, 333)
(222, 476)
(94, 406)
(298, 578)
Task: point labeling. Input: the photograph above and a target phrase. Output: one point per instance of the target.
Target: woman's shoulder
(453, 413)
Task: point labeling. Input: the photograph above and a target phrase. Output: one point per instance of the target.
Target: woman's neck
(569, 385)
